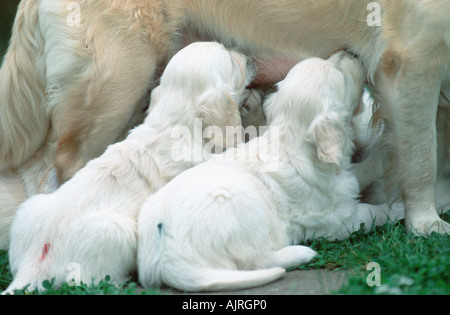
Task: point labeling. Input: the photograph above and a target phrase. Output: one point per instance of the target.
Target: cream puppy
(232, 222)
(86, 230)
(38, 175)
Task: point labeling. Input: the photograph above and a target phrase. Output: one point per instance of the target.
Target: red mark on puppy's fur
(45, 251)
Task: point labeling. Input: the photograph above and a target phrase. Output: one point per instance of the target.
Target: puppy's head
(208, 81)
(252, 113)
(317, 100)
(355, 75)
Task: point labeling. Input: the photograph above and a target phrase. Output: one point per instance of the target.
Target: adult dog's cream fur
(86, 79)
(16, 185)
(228, 224)
(91, 219)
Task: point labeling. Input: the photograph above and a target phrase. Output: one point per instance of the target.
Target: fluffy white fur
(87, 80)
(230, 224)
(91, 219)
(38, 174)
(407, 57)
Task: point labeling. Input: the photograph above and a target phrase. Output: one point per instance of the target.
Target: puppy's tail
(23, 119)
(191, 279)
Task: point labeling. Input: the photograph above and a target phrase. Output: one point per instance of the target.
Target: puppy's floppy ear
(218, 108)
(240, 63)
(328, 133)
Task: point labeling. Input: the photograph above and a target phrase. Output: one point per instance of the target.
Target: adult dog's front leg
(410, 91)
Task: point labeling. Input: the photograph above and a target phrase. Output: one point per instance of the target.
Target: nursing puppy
(230, 223)
(408, 63)
(63, 69)
(38, 175)
(90, 221)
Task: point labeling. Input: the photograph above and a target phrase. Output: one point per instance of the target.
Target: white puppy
(38, 175)
(233, 221)
(86, 230)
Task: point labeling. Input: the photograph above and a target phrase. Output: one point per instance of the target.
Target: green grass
(409, 265)
(104, 287)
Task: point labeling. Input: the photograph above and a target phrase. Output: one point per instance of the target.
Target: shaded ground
(296, 282)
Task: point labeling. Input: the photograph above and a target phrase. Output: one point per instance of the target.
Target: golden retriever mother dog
(82, 67)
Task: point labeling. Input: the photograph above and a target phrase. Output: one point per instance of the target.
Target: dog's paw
(425, 227)
(293, 256)
(305, 254)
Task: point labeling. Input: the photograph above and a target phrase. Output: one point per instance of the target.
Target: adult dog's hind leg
(98, 72)
(24, 121)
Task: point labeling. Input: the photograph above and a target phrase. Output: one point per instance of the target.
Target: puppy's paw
(293, 256)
